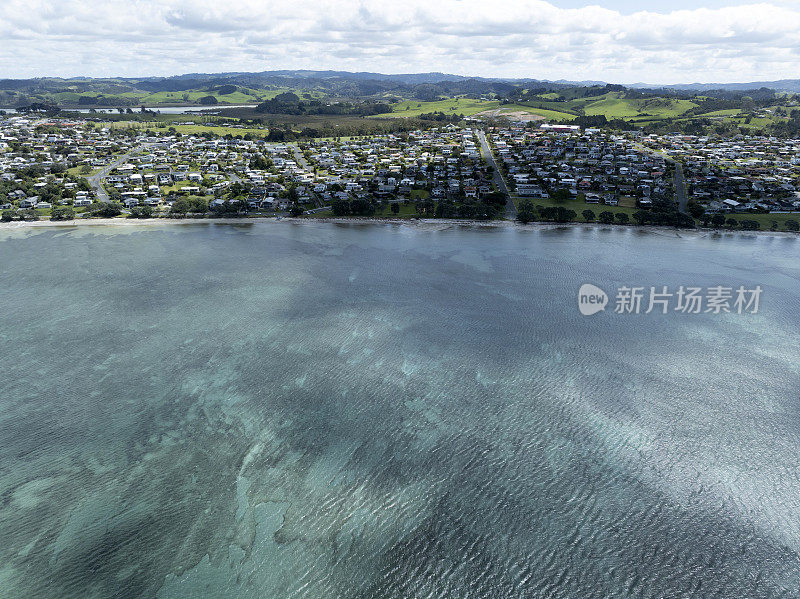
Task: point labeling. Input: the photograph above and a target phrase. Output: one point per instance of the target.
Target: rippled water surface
(375, 411)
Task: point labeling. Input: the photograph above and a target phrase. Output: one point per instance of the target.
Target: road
(303, 163)
(500, 183)
(680, 187)
(680, 181)
(96, 180)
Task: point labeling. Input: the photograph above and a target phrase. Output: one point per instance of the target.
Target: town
(65, 168)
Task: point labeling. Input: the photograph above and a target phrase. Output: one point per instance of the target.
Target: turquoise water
(385, 411)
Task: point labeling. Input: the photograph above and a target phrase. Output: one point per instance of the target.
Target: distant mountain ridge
(274, 76)
(784, 85)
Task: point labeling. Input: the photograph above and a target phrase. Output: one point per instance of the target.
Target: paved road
(303, 163)
(96, 180)
(300, 159)
(680, 188)
(500, 183)
(680, 181)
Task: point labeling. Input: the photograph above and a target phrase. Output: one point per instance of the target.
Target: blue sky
(620, 41)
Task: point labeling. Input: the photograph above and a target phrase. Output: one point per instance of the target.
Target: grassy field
(579, 206)
(621, 108)
(718, 113)
(766, 220)
(552, 115)
(77, 171)
(240, 96)
(465, 106)
(612, 105)
(191, 129)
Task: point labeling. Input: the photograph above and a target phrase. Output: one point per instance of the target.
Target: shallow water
(384, 411)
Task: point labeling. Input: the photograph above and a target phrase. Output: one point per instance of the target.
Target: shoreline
(417, 222)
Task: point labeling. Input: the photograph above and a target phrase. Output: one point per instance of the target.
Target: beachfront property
(596, 166)
(156, 168)
(740, 174)
(47, 163)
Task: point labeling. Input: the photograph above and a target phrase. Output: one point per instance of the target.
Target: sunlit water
(377, 411)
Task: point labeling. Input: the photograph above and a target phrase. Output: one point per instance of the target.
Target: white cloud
(511, 38)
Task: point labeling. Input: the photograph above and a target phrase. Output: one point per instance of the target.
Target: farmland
(464, 106)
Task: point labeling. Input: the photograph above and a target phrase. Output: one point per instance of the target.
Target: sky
(620, 41)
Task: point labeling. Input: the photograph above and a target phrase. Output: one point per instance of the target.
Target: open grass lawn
(465, 106)
(419, 194)
(77, 171)
(579, 206)
(766, 220)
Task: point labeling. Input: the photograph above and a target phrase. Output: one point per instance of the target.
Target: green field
(621, 108)
(220, 130)
(240, 96)
(543, 112)
(717, 113)
(613, 105)
(578, 206)
(767, 219)
(465, 106)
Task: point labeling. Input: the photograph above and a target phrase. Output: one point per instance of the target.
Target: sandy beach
(415, 222)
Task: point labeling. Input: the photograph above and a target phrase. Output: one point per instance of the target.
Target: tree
(9, 215)
(732, 223)
(621, 218)
(106, 209)
(588, 216)
(180, 207)
(606, 217)
(641, 217)
(208, 101)
(141, 212)
(718, 220)
(560, 195)
(695, 209)
(526, 212)
(792, 225)
(295, 210)
(62, 213)
(198, 205)
(425, 208)
(395, 208)
(361, 207)
(750, 225)
(340, 208)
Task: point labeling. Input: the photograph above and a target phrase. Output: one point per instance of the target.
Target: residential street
(680, 187)
(511, 209)
(96, 180)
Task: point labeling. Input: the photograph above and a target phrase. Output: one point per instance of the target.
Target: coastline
(416, 222)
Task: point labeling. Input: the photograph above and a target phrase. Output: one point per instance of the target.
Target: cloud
(510, 38)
